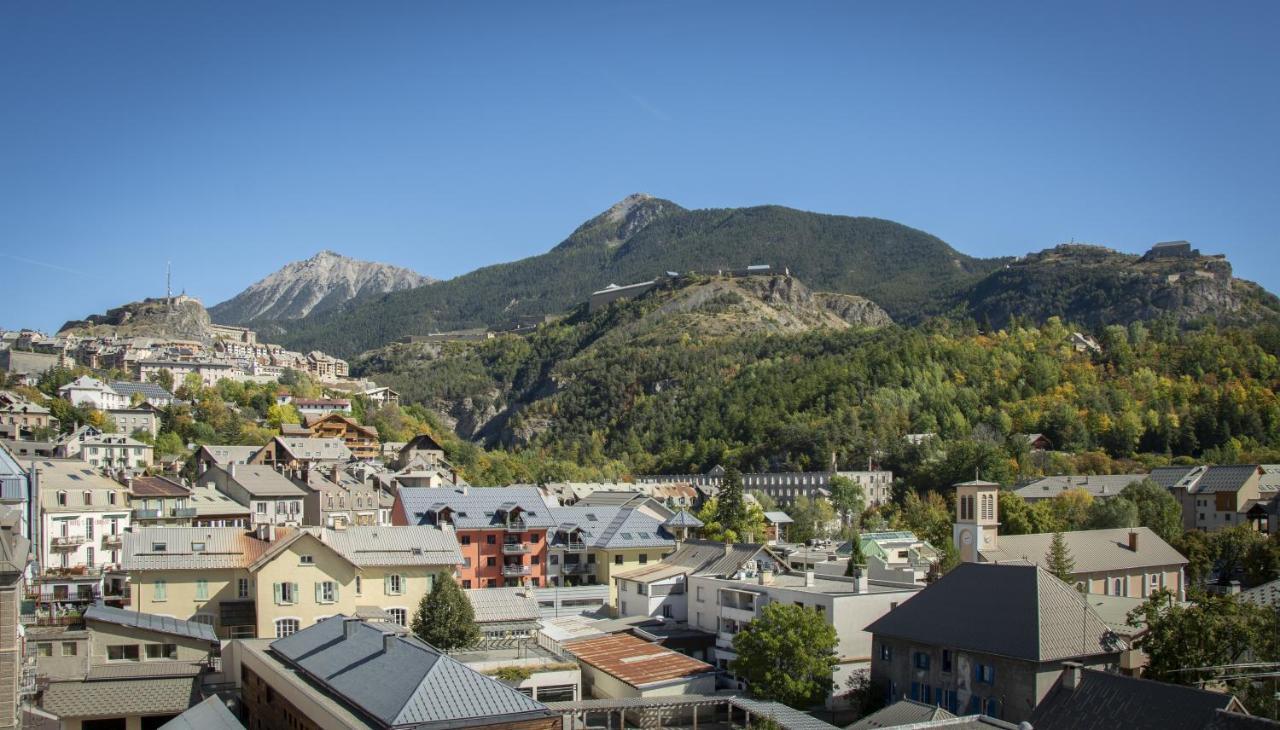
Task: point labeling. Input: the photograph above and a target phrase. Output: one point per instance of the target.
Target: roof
(73, 475)
(700, 557)
(612, 528)
(13, 478)
(1226, 478)
(384, 545)
(301, 447)
(1093, 550)
(902, 712)
(611, 497)
(148, 390)
(1104, 700)
(683, 519)
(321, 402)
(262, 481)
(151, 622)
(635, 661)
(212, 714)
(221, 455)
(422, 442)
(1017, 611)
(503, 605)
(157, 487)
(1099, 485)
(1175, 476)
(1267, 594)
(477, 509)
(119, 698)
(398, 679)
(778, 518)
(223, 547)
(1223, 720)
(209, 501)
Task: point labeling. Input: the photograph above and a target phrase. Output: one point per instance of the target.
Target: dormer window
(62, 499)
(88, 497)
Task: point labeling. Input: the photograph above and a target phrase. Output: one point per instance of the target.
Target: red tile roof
(636, 661)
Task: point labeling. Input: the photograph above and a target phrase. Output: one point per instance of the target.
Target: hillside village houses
(77, 536)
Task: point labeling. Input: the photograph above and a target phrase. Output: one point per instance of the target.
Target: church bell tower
(977, 518)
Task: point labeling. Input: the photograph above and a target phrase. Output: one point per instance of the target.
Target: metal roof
(314, 448)
(613, 528)
(263, 481)
(902, 712)
(209, 501)
(121, 697)
(151, 622)
(778, 518)
(1104, 700)
(219, 547)
(1093, 550)
(478, 508)
(503, 605)
(1226, 478)
(221, 455)
(683, 519)
(212, 714)
(1175, 476)
(701, 557)
(386, 545)
(156, 487)
(635, 661)
(148, 390)
(1099, 485)
(1018, 611)
(399, 679)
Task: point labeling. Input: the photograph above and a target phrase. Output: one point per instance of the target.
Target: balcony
(516, 570)
(514, 548)
(112, 542)
(572, 547)
(146, 514)
(185, 513)
(515, 526)
(578, 568)
(68, 542)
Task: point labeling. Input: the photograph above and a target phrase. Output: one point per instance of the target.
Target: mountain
(1095, 286)
(907, 272)
(183, 319)
(491, 390)
(319, 284)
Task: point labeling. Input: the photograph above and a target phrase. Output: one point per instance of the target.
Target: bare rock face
(182, 318)
(321, 283)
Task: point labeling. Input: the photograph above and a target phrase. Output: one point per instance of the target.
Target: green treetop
(445, 618)
(1061, 564)
(787, 655)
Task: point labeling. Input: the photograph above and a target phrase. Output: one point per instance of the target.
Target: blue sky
(231, 138)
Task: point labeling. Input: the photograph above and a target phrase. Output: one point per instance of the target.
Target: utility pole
(168, 285)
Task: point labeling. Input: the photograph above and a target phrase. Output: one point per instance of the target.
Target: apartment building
(339, 498)
(144, 419)
(20, 419)
(274, 581)
(590, 545)
(93, 393)
(300, 454)
(77, 534)
(113, 451)
(1218, 497)
(159, 501)
(272, 498)
(784, 487)
(659, 589)
(362, 441)
(502, 532)
(14, 551)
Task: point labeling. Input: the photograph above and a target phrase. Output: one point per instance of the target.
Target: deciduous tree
(444, 618)
(787, 655)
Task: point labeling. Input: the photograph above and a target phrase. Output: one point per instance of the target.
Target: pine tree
(731, 505)
(1061, 564)
(444, 618)
(856, 558)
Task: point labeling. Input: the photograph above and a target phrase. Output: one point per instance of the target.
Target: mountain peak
(323, 282)
(621, 221)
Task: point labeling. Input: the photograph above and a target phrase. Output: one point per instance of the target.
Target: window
(197, 547)
(261, 507)
(617, 560)
(946, 660)
(399, 615)
(88, 557)
(242, 588)
(202, 589)
(307, 559)
(993, 707)
(591, 559)
(44, 649)
(984, 673)
(466, 539)
(88, 527)
(62, 499)
(160, 590)
(466, 585)
(624, 608)
(359, 585)
(286, 594)
(68, 648)
(88, 497)
(122, 653)
(490, 539)
(921, 660)
(644, 558)
(162, 651)
(286, 626)
(326, 591)
(1119, 587)
(886, 652)
(203, 618)
(159, 547)
(535, 537)
(394, 584)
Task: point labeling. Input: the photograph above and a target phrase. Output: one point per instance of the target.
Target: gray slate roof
(1093, 550)
(1172, 476)
(151, 622)
(477, 508)
(303, 448)
(228, 454)
(1227, 478)
(702, 557)
(1099, 485)
(263, 481)
(368, 546)
(503, 605)
(406, 682)
(1018, 611)
(1104, 700)
(683, 519)
(613, 527)
(902, 712)
(212, 714)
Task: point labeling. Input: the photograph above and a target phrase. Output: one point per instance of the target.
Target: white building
(113, 451)
(91, 392)
(82, 516)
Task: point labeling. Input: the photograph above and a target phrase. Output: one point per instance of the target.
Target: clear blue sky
(231, 138)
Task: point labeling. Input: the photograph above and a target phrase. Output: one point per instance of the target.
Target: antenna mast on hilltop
(168, 285)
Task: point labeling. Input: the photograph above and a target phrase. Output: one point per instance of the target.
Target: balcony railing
(112, 541)
(572, 547)
(183, 512)
(578, 568)
(146, 514)
(68, 542)
(516, 570)
(515, 526)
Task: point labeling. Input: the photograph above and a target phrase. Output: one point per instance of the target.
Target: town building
(152, 394)
(274, 581)
(23, 420)
(299, 455)
(309, 407)
(618, 666)
(1090, 699)
(209, 372)
(659, 589)
(347, 673)
(14, 670)
(338, 499)
(15, 489)
(361, 440)
(159, 502)
(422, 446)
(115, 452)
(502, 532)
(142, 419)
(382, 396)
(207, 456)
(272, 497)
(1133, 562)
(1217, 497)
(216, 509)
(784, 487)
(898, 556)
(589, 545)
(989, 639)
(1099, 486)
(77, 534)
(90, 392)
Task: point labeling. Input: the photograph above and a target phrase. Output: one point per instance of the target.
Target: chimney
(766, 577)
(349, 626)
(728, 548)
(264, 532)
(1133, 540)
(336, 472)
(232, 469)
(860, 579)
(1071, 675)
(388, 641)
(808, 579)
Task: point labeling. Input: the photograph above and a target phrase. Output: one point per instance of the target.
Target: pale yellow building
(592, 544)
(273, 582)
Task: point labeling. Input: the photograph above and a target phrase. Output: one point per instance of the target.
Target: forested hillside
(907, 272)
(590, 389)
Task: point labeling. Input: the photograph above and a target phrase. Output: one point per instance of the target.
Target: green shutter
(295, 592)
(276, 587)
(335, 591)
